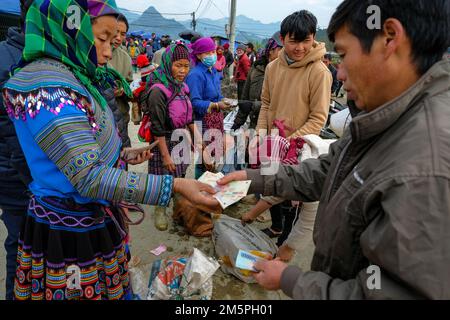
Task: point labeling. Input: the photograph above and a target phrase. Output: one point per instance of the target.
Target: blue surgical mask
(210, 61)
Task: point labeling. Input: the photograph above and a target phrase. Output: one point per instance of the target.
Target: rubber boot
(161, 222)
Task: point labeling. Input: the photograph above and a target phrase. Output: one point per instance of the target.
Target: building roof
(10, 7)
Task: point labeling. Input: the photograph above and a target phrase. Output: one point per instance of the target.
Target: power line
(225, 15)
(201, 1)
(157, 13)
(205, 8)
(154, 26)
(244, 33)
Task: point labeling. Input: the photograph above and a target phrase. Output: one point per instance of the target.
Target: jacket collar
(434, 81)
(204, 68)
(318, 50)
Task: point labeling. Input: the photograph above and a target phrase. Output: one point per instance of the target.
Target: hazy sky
(263, 10)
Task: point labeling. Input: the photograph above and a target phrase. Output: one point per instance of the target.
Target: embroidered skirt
(69, 251)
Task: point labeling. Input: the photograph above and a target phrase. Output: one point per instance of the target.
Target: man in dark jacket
(327, 60)
(250, 52)
(14, 173)
(383, 226)
(250, 105)
(229, 59)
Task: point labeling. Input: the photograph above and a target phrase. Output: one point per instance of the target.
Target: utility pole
(233, 25)
(194, 22)
(232, 30)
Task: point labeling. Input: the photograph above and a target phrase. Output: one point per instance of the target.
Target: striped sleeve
(68, 140)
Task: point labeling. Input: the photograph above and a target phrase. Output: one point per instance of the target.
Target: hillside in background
(247, 29)
(130, 15)
(152, 21)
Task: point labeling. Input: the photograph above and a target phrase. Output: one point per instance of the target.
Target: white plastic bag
(229, 120)
(230, 236)
(339, 121)
(135, 84)
(138, 283)
(197, 283)
(182, 278)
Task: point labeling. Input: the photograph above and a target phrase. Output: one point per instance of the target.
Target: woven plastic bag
(230, 236)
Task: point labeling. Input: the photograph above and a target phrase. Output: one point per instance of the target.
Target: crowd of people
(377, 196)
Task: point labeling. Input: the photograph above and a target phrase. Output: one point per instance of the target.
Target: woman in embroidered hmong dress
(170, 109)
(75, 223)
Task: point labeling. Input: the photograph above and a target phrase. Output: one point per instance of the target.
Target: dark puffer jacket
(251, 96)
(14, 173)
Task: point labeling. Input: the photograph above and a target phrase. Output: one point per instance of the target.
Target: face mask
(210, 61)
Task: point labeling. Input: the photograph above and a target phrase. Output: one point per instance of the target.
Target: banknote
(246, 260)
(228, 194)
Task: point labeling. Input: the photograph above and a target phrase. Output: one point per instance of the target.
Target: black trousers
(284, 216)
(240, 85)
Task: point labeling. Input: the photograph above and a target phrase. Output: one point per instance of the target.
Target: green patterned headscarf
(62, 30)
(163, 74)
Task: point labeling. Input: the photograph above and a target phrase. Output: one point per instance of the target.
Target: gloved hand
(245, 106)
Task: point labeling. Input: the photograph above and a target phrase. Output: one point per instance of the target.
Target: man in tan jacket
(296, 89)
(297, 84)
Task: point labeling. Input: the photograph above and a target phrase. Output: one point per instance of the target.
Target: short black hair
(122, 18)
(195, 38)
(426, 23)
(328, 56)
(299, 25)
(165, 41)
(250, 45)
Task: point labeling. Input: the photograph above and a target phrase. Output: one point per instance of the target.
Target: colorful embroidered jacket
(72, 146)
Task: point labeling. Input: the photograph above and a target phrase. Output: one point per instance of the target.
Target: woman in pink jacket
(221, 61)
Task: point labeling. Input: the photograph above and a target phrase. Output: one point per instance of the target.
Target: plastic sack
(135, 84)
(229, 119)
(230, 236)
(183, 278)
(197, 283)
(340, 121)
(138, 283)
